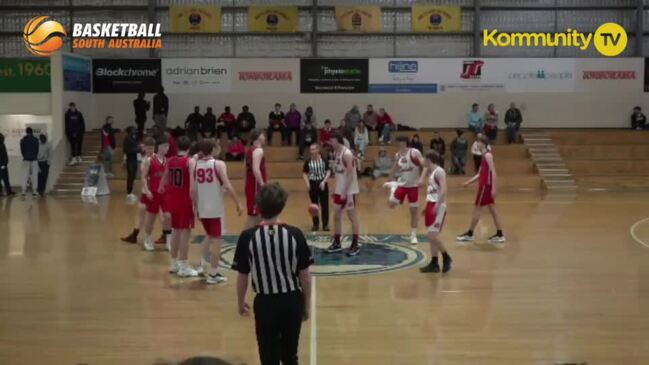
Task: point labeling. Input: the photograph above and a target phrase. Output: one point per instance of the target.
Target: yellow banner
(283, 19)
(359, 18)
(195, 19)
(426, 18)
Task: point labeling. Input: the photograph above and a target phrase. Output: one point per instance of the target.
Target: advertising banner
(334, 75)
(283, 19)
(402, 75)
(359, 18)
(76, 73)
(12, 126)
(126, 75)
(196, 75)
(194, 19)
(606, 74)
(536, 74)
(265, 75)
(24, 75)
(460, 75)
(429, 18)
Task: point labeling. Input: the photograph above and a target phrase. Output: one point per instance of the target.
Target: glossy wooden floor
(570, 286)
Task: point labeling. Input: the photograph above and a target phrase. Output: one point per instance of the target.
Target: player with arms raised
(255, 175)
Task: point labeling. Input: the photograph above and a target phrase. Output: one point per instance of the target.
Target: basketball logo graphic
(195, 19)
(43, 36)
(435, 19)
(272, 20)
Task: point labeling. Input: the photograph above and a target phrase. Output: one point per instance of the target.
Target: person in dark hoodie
(108, 145)
(131, 149)
(194, 123)
(75, 128)
(141, 106)
(4, 167)
(44, 152)
(245, 121)
(209, 123)
(29, 150)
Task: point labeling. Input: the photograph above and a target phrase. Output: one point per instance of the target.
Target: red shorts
(155, 205)
(412, 193)
(182, 217)
(251, 204)
(342, 201)
(484, 196)
(434, 217)
(212, 226)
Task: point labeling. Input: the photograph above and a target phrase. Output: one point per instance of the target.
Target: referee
(278, 257)
(316, 173)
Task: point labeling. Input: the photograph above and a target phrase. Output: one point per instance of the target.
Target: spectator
(141, 107)
(638, 120)
(309, 116)
(361, 139)
(384, 125)
(458, 152)
(193, 124)
(326, 132)
(275, 122)
(475, 151)
(491, 123)
(209, 123)
(352, 118)
(131, 149)
(245, 121)
(475, 119)
(371, 118)
(4, 167)
(236, 150)
(347, 133)
(160, 109)
(75, 128)
(416, 143)
(383, 164)
(29, 150)
(44, 152)
(229, 122)
(513, 120)
(438, 144)
(108, 145)
(293, 123)
(308, 136)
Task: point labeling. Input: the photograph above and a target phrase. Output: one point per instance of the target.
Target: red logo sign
(266, 76)
(472, 69)
(610, 75)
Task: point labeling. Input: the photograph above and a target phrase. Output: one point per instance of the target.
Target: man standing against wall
(75, 128)
(141, 106)
(160, 109)
(29, 151)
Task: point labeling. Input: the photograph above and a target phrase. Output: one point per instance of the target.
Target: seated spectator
(326, 132)
(308, 136)
(513, 120)
(236, 150)
(384, 126)
(275, 123)
(228, 122)
(638, 120)
(309, 117)
(193, 124)
(371, 118)
(293, 123)
(348, 134)
(209, 123)
(438, 144)
(361, 140)
(458, 152)
(416, 143)
(352, 118)
(245, 121)
(491, 123)
(475, 119)
(382, 164)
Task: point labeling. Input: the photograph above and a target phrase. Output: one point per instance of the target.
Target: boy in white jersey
(209, 182)
(345, 193)
(407, 168)
(435, 211)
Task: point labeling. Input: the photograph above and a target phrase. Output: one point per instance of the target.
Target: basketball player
(435, 211)
(152, 171)
(210, 181)
(486, 177)
(255, 175)
(407, 168)
(345, 193)
(175, 186)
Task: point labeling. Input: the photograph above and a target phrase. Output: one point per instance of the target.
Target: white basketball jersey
(432, 193)
(209, 188)
(409, 171)
(340, 173)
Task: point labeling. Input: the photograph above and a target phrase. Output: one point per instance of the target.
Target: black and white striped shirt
(316, 169)
(273, 255)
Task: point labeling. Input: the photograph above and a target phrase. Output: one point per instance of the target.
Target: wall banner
(334, 75)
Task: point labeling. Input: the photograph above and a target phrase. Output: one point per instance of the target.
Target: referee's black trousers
(320, 197)
(278, 320)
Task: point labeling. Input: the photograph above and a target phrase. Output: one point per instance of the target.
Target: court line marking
(314, 340)
(635, 236)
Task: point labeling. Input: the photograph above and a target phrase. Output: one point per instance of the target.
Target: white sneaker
(200, 270)
(148, 245)
(496, 239)
(413, 239)
(464, 238)
(216, 279)
(79, 159)
(187, 271)
(173, 268)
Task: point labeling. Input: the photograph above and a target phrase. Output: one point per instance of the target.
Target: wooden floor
(570, 286)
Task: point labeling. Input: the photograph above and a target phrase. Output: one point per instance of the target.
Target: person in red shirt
(325, 138)
(255, 175)
(153, 169)
(227, 122)
(173, 147)
(236, 150)
(384, 126)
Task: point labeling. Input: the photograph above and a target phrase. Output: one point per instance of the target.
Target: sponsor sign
(604, 75)
(402, 76)
(196, 75)
(126, 75)
(334, 75)
(12, 126)
(266, 76)
(76, 73)
(194, 19)
(359, 18)
(537, 74)
(20, 75)
(428, 18)
(284, 19)
(457, 75)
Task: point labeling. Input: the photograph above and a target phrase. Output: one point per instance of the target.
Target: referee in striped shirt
(316, 173)
(278, 258)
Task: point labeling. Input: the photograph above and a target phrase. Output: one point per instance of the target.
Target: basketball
(314, 210)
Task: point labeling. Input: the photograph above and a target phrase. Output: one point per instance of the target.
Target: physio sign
(610, 39)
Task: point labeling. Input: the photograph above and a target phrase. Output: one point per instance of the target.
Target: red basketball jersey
(177, 188)
(485, 172)
(250, 176)
(156, 170)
